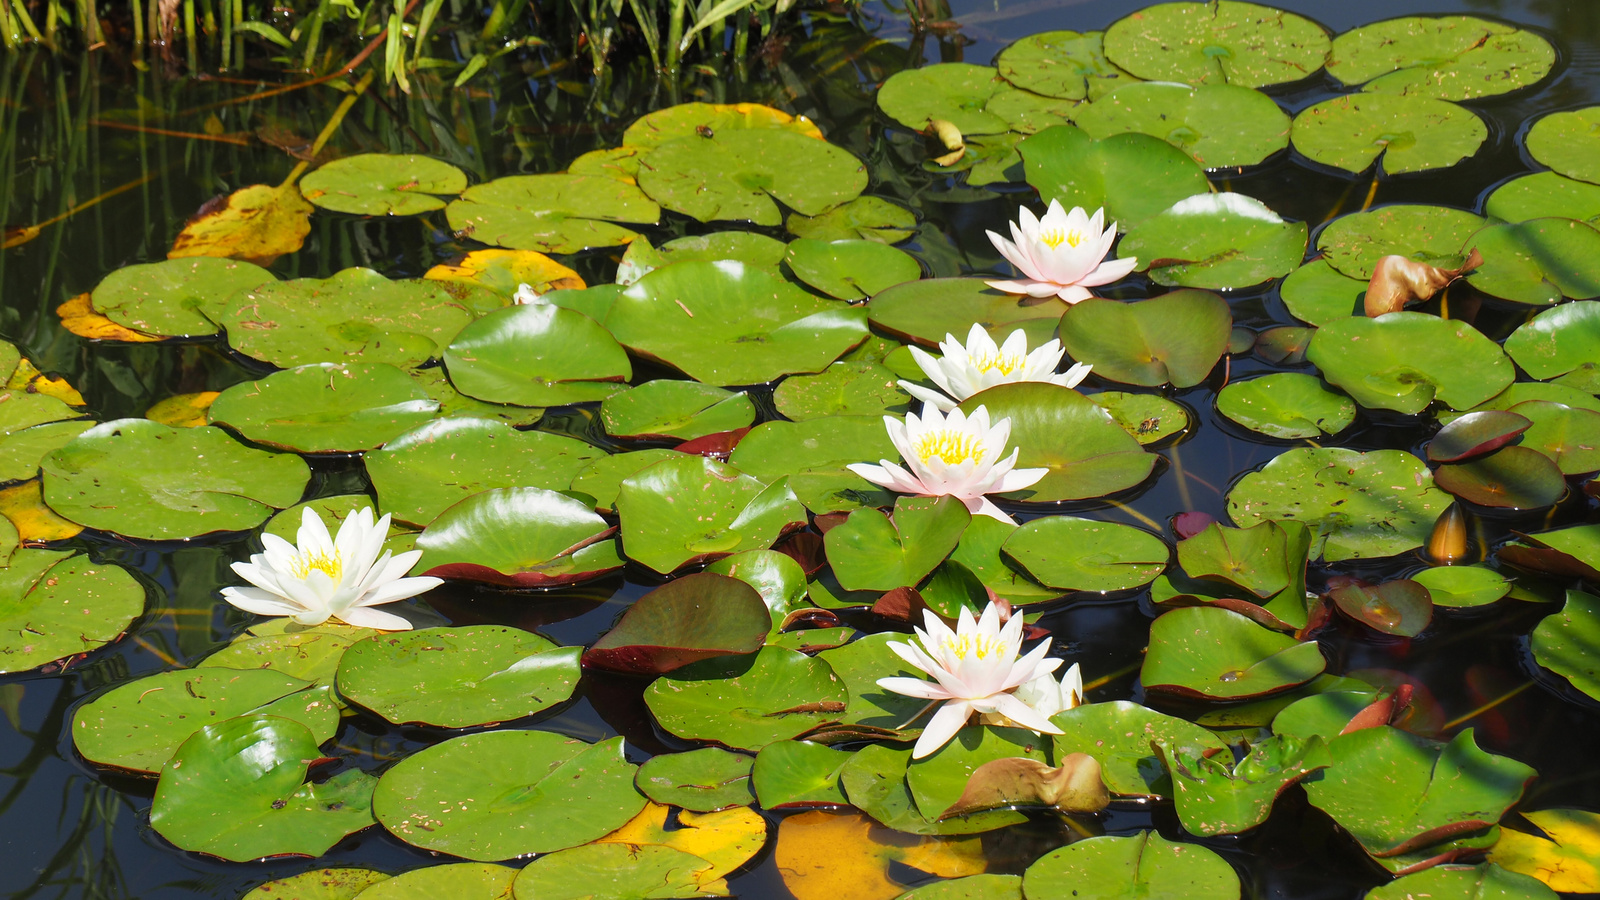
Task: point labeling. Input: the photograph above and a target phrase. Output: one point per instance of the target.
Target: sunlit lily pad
(1361, 505)
(518, 537)
(1566, 642)
(459, 881)
(1286, 405)
(727, 323)
(1563, 342)
(954, 92)
(845, 389)
(602, 478)
(325, 407)
(552, 213)
(1481, 882)
(504, 271)
(744, 175)
(972, 887)
(540, 792)
(799, 774)
(744, 246)
(1571, 551)
(32, 426)
(1214, 798)
(1226, 42)
(1462, 586)
(1476, 433)
(1565, 858)
(684, 119)
(850, 270)
(166, 298)
(141, 479)
(859, 664)
(382, 184)
(1119, 734)
(1220, 125)
(237, 789)
(871, 551)
(457, 677)
(1568, 142)
(620, 871)
(1406, 360)
(1123, 868)
(925, 311)
(747, 702)
(257, 223)
(1449, 57)
(694, 508)
(1317, 293)
(536, 355)
(703, 780)
(1539, 262)
(1434, 235)
(695, 617)
(1217, 654)
(938, 780)
(423, 472)
(1133, 176)
(1258, 572)
(1544, 195)
(1062, 64)
(726, 839)
(311, 654)
(823, 855)
(1569, 436)
(1148, 417)
(1175, 338)
(1075, 554)
(1409, 133)
(675, 409)
(319, 884)
(452, 403)
(866, 218)
(1216, 241)
(875, 781)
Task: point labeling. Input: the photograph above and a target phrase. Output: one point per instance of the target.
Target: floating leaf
(747, 702)
(182, 410)
(1215, 798)
(937, 781)
(1400, 607)
(1177, 337)
(972, 887)
(318, 884)
(1544, 195)
(536, 355)
(850, 270)
(1123, 868)
(692, 508)
(257, 224)
(745, 174)
(551, 213)
(954, 92)
(675, 409)
(325, 407)
(928, 310)
(1566, 642)
(237, 789)
(621, 871)
(452, 402)
(866, 218)
(1567, 142)
(1133, 176)
(1075, 554)
(24, 507)
(1566, 861)
(165, 299)
(1119, 734)
(1448, 57)
(1406, 360)
(875, 781)
(79, 317)
(1481, 882)
(1062, 64)
(824, 856)
(1570, 437)
(799, 774)
(859, 664)
(1562, 342)
(684, 119)
(382, 184)
(1538, 262)
(1509, 478)
(1462, 586)
(871, 551)
(703, 780)
(1434, 235)
(1210, 653)
(845, 389)
(32, 426)
(1148, 417)
(1408, 133)
(1317, 293)
(1216, 241)
(603, 477)
(459, 881)
(1226, 42)
(1286, 405)
(691, 618)
(1220, 125)
(1475, 434)
(504, 271)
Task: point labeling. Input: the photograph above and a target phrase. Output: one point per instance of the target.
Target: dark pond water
(67, 831)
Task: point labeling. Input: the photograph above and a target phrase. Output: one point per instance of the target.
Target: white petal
(365, 617)
(932, 398)
(1023, 714)
(942, 727)
(915, 687)
(400, 589)
(1109, 271)
(260, 602)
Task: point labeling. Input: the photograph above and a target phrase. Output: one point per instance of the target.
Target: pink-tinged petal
(1109, 271)
(874, 474)
(366, 617)
(1073, 293)
(915, 687)
(942, 727)
(1020, 287)
(1097, 222)
(1037, 662)
(1016, 254)
(262, 603)
(983, 506)
(1023, 714)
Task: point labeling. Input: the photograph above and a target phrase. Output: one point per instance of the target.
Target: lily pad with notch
(1568, 142)
(1203, 652)
(1565, 642)
(1447, 57)
(552, 213)
(954, 92)
(928, 310)
(1120, 734)
(1132, 176)
(1224, 42)
(686, 620)
(1124, 868)
(1435, 235)
(1175, 338)
(867, 218)
(683, 119)
(1073, 554)
(872, 551)
(938, 780)
(602, 478)
(1485, 881)
(702, 780)
(1317, 293)
(1539, 262)
(168, 298)
(325, 407)
(518, 537)
(1544, 195)
(691, 508)
(1405, 360)
(1064, 64)
(32, 426)
(382, 184)
(1408, 133)
(1287, 406)
(747, 702)
(1216, 241)
(1569, 436)
(852, 269)
(846, 389)
(536, 355)
(1213, 797)
(1220, 125)
(506, 271)
(683, 410)
(1563, 344)
(1462, 586)
(744, 174)
(799, 775)
(621, 870)
(1150, 418)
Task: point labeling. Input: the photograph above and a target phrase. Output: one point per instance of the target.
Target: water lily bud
(1448, 543)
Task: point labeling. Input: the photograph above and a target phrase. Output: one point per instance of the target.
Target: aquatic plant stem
(328, 130)
(1135, 514)
(1473, 714)
(1104, 680)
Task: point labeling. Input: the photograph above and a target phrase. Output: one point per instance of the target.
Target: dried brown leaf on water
(1398, 281)
(949, 135)
(1074, 787)
(257, 224)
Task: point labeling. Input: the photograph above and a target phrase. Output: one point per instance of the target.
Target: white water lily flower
(1046, 696)
(966, 369)
(1062, 255)
(957, 456)
(320, 578)
(975, 670)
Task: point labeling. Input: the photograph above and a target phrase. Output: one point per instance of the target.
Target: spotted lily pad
(325, 407)
(1175, 338)
(1481, 882)
(1539, 262)
(1434, 235)
(953, 92)
(845, 389)
(1225, 42)
(341, 883)
(1120, 735)
(1406, 360)
(693, 508)
(744, 175)
(1563, 342)
(1148, 417)
(1210, 653)
(33, 425)
(1124, 868)
(620, 871)
(166, 298)
(1216, 241)
(1567, 142)
(602, 478)
(1133, 176)
(1286, 405)
(1214, 798)
(382, 184)
(1062, 64)
(1220, 125)
(850, 270)
(675, 409)
(747, 702)
(684, 119)
(536, 355)
(866, 218)
(552, 213)
(1544, 195)
(928, 310)
(1448, 57)
(702, 780)
(1410, 133)
(506, 271)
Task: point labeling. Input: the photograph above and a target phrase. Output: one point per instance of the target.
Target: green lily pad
(537, 792)
(1286, 405)
(1566, 142)
(798, 775)
(310, 654)
(1220, 125)
(237, 789)
(1462, 586)
(1216, 241)
(382, 184)
(1538, 262)
(972, 887)
(619, 871)
(1259, 572)
(866, 218)
(424, 472)
(773, 449)
(953, 92)
(1225, 42)
(1508, 478)
(1361, 505)
(1544, 195)
(603, 478)
(141, 479)
(1408, 133)
(139, 725)
(1123, 868)
(452, 403)
(1565, 642)
(594, 302)
(1569, 436)
(325, 407)
(675, 409)
(702, 780)
(1119, 734)
(1406, 360)
(552, 213)
(1448, 57)
(1572, 551)
(166, 298)
(536, 355)
(1216, 654)
(928, 310)
(871, 551)
(1133, 176)
(874, 779)
(1214, 798)
(694, 508)
(1435, 235)
(938, 780)
(1430, 792)
(744, 174)
(458, 677)
(355, 315)
(32, 426)
(459, 881)
(1062, 64)
(1073, 554)
(747, 247)
(1563, 342)
(1148, 417)
(1025, 112)
(859, 664)
(747, 702)
(1057, 428)
(728, 323)
(1486, 881)
(318, 884)
(683, 119)
(695, 617)
(852, 269)
(1317, 293)
(845, 389)
(1175, 338)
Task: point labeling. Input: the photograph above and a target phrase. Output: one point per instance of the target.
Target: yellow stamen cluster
(328, 564)
(1054, 238)
(977, 645)
(953, 447)
(1003, 362)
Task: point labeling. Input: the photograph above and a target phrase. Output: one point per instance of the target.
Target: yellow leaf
(504, 270)
(27, 377)
(727, 838)
(1569, 862)
(183, 410)
(18, 235)
(24, 505)
(257, 224)
(78, 316)
(831, 856)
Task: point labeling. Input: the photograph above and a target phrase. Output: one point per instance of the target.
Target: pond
(1317, 528)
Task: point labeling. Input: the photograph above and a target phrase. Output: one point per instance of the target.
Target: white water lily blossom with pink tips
(1061, 255)
(956, 455)
(977, 365)
(975, 669)
(321, 577)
